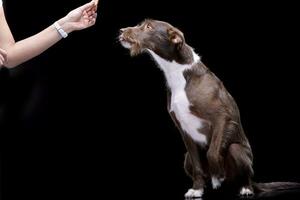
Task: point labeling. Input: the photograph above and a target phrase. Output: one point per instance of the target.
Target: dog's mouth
(126, 42)
(129, 42)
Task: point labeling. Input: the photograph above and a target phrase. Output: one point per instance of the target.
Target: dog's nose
(122, 30)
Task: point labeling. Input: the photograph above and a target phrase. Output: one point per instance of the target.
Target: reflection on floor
(282, 195)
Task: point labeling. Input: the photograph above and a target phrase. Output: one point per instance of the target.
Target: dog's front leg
(215, 152)
(192, 161)
(194, 168)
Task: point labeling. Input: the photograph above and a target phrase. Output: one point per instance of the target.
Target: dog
(206, 115)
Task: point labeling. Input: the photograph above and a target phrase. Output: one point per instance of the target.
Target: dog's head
(160, 37)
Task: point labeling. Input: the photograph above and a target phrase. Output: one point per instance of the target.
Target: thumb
(87, 6)
(96, 2)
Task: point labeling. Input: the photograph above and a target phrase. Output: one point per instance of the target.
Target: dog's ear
(176, 37)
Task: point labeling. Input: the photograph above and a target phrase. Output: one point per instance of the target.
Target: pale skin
(14, 53)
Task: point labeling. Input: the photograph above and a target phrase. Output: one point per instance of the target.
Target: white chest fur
(179, 101)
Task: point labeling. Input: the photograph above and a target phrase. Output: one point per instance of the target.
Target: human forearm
(31, 47)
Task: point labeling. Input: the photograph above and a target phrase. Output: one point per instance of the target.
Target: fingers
(1, 60)
(88, 6)
(87, 21)
(96, 2)
(92, 22)
(92, 19)
(94, 8)
(3, 57)
(89, 14)
(90, 11)
(3, 52)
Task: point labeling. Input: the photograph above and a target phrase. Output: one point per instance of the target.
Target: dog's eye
(148, 26)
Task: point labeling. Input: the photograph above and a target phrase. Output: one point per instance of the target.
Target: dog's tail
(275, 187)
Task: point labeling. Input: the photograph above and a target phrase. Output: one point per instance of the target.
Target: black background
(86, 120)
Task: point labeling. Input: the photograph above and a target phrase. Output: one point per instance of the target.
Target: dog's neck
(174, 71)
(173, 66)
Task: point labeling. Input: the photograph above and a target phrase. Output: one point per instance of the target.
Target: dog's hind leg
(238, 166)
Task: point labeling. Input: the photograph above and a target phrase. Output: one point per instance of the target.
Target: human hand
(80, 18)
(3, 57)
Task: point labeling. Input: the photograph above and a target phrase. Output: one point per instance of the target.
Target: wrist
(65, 25)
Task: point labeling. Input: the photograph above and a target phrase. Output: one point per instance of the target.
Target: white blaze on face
(180, 104)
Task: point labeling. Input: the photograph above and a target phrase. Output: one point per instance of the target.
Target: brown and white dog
(207, 116)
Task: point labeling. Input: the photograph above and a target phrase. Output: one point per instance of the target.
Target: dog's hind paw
(191, 193)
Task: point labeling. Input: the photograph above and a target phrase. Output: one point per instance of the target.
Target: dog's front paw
(191, 193)
(246, 192)
(216, 182)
